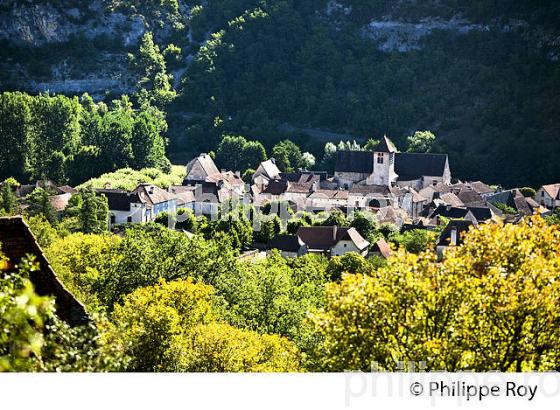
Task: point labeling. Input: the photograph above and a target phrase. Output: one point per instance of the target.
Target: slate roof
(286, 243)
(412, 166)
(462, 226)
(369, 189)
(17, 241)
(470, 197)
(119, 200)
(450, 198)
(207, 164)
(513, 199)
(354, 161)
(449, 212)
(408, 166)
(275, 187)
(481, 214)
(303, 177)
(385, 145)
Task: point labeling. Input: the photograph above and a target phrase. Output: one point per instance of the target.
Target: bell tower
(383, 164)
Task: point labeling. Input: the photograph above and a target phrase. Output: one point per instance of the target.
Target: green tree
(421, 141)
(149, 319)
(17, 146)
(55, 134)
(484, 307)
(40, 204)
(148, 145)
(288, 156)
(219, 347)
(8, 199)
(93, 211)
(155, 83)
(237, 154)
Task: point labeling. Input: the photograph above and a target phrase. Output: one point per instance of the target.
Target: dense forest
(489, 96)
(253, 67)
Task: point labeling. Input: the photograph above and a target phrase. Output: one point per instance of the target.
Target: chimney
(151, 189)
(453, 236)
(273, 160)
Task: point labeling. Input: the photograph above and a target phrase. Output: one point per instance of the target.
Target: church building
(385, 166)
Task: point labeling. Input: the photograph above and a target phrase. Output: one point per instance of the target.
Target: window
(129, 219)
(380, 158)
(113, 219)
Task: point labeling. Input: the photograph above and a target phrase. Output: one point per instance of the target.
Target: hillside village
(410, 191)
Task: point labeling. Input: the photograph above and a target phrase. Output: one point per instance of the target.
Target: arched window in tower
(380, 158)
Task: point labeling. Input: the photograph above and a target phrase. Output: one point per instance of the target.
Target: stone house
(548, 196)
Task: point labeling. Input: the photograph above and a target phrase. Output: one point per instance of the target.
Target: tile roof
(382, 248)
(329, 194)
(60, 202)
(152, 194)
(325, 237)
(17, 241)
(553, 190)
(270, 168)
(450, 198)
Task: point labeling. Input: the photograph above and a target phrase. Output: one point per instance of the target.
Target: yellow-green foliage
(492, 304)
(128, 179)
(173, 327)
(219, 347)
(78, 259)
(22, 317)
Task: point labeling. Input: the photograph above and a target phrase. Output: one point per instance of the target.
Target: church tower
(383, 164)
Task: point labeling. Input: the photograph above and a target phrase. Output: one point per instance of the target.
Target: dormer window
(380, 158)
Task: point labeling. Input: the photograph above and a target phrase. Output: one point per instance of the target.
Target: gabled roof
(481, 188)
(286, 243)
(449, 198)
(206, 163)
(276, 187)
(152, 194)
(461, 226)
(60, 202)
(412, 166)
(329, 193)
(119, 200)
(17, 241)
(382, 248)
(270, 168)
(354, 161)
(449, 212)
(369, 189)
(470, 197)
(300, 188)
(553, 190)
(325, 237)
(385, 145)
